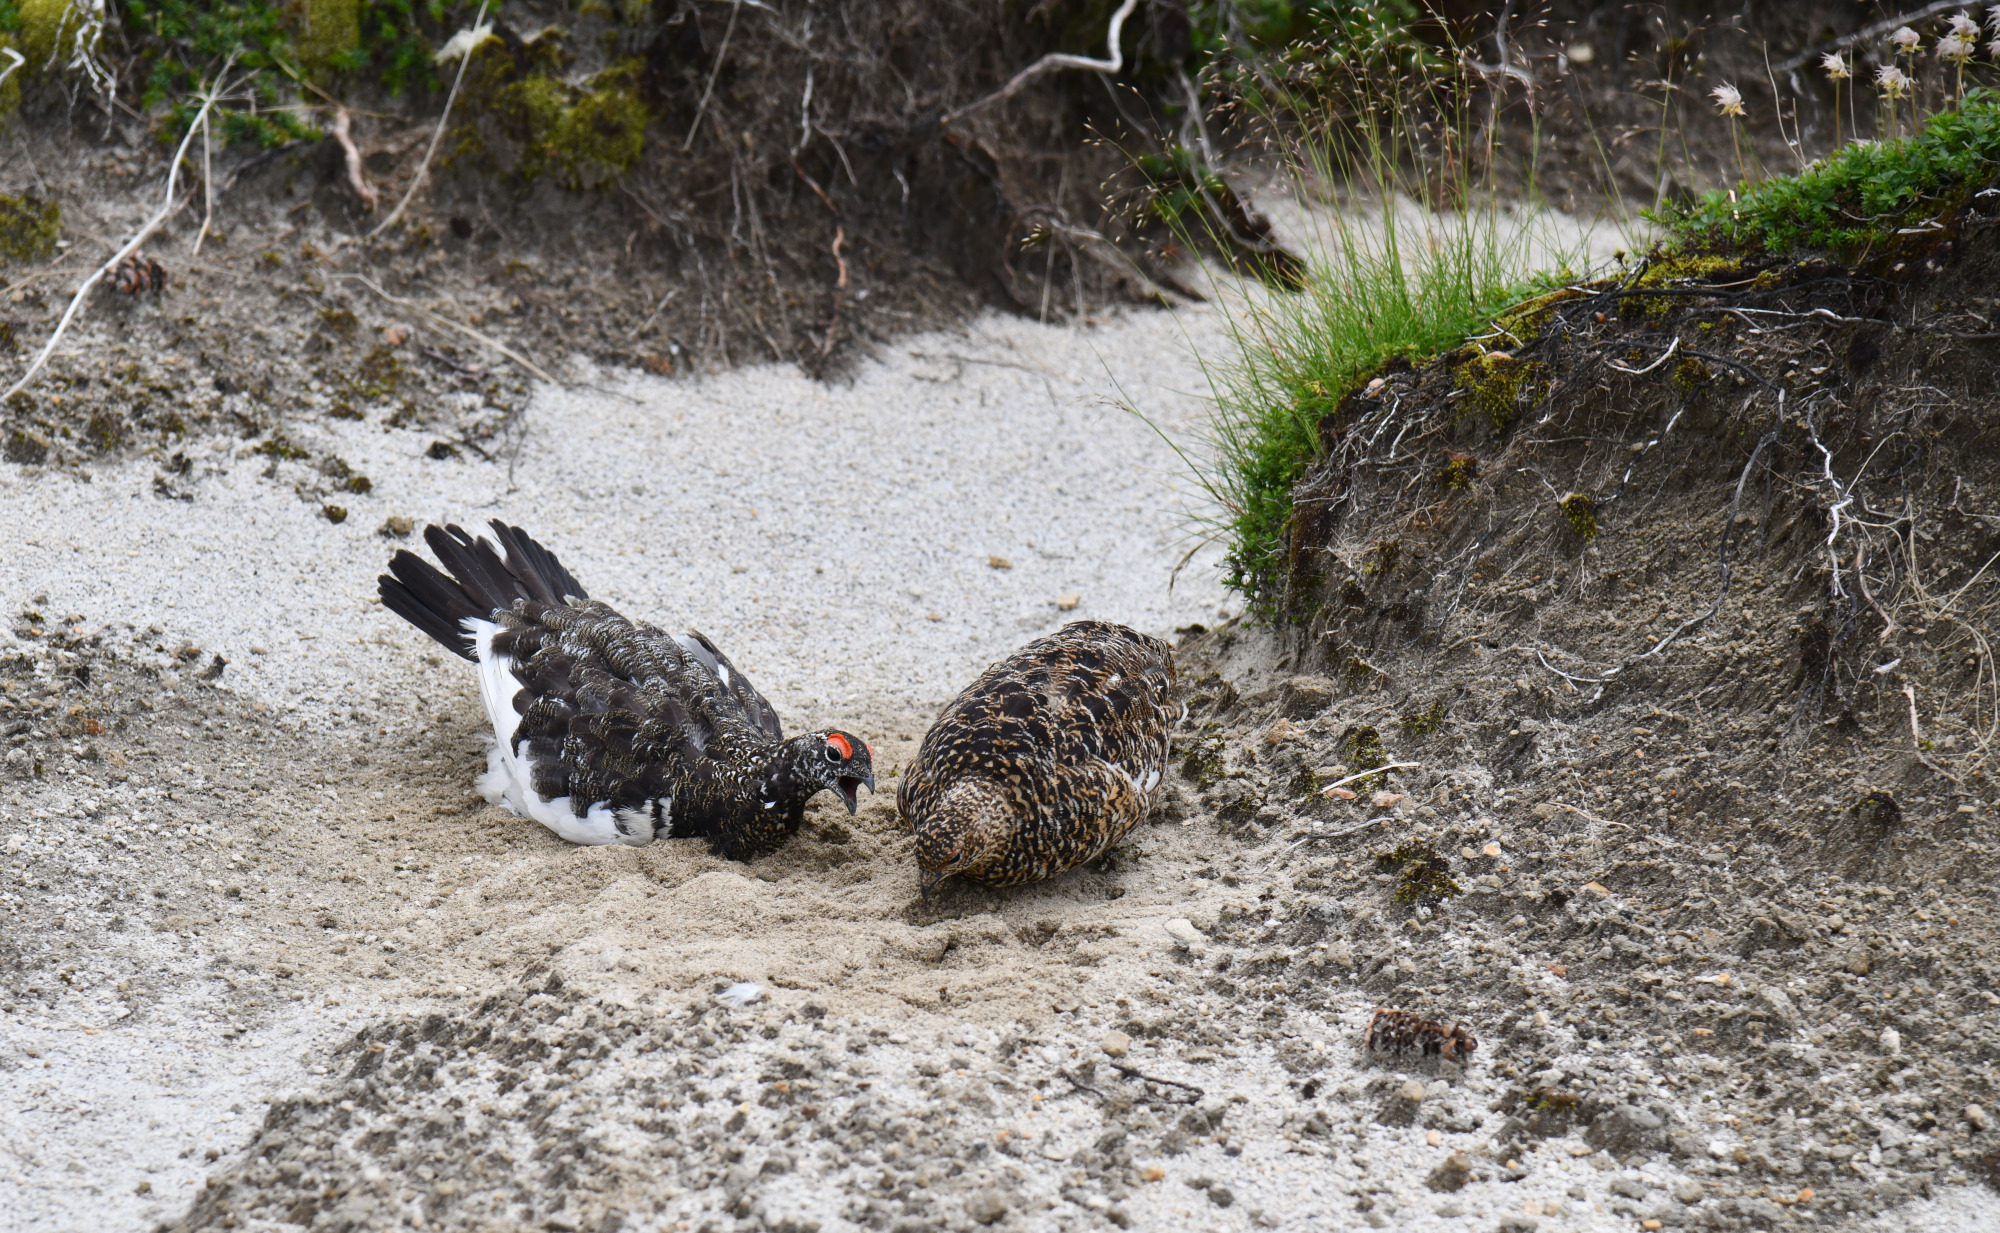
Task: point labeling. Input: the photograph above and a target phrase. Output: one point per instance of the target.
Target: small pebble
(1117, 1044)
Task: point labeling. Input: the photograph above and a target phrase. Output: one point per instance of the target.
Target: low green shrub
(1857, 198)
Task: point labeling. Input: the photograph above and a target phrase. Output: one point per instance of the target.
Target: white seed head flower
(1993, 49)
(1955, 48)
(1892, 80)
(1728, 99)
(1906, 40)
(1993, 19)
(1836, 67)
(1964, 27)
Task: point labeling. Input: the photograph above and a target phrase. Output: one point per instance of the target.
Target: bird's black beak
(849, 789)
(927, 881)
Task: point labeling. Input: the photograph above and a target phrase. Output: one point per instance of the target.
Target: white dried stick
(166, 210)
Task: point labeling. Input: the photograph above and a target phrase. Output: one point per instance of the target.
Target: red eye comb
(838, 742)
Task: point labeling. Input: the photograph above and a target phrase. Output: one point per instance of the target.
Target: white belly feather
(509, 780)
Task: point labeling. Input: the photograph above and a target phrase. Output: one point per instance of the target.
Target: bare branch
(167, 208)
(1113, 63)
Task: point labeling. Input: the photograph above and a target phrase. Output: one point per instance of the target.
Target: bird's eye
(837, 748)
(832, 754)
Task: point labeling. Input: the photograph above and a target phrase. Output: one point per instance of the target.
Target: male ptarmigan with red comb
(607, 731)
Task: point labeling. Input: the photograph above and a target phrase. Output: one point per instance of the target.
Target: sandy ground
(270, 964)
(838, 541)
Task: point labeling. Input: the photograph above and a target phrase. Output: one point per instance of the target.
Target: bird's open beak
(850, 786)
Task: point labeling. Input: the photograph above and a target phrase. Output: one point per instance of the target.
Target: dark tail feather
(417, 592)
(479, 582)
(536, 566)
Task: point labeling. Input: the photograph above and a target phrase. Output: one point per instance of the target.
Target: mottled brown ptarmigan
(608, 730)
(1053, 755)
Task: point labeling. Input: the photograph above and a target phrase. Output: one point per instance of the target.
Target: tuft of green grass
(1405, 255)
(1390, 283)
(1857, 198)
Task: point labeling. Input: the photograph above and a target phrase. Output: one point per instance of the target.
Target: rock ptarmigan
(1045, 761)
(611, 731)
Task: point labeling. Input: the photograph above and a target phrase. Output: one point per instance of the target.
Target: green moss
(584, 136)
(10, 89)
(601, 136)
(1581, 512)
(47, 34)
(380, 372)
(1365, 752)
(1458, 471)
(1690, 375)
(340, 321)
(1495, 384)
(28, 228)
(1677, 269)
(1425, 879)
(1382, 558)
(103, 431)
(1202, 763)
(335, 514)
(1424, 722)
(1303, 786)
(278, 446)
(331, 35)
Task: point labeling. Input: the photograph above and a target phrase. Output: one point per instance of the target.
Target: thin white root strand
(344, 135)
(1113, 63)
(1917, 736)
(167, 208)
(1393, 766)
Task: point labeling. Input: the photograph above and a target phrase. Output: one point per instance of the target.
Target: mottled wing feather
(617, 713)
(755, 707)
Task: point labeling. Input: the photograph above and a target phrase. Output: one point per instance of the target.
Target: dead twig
(720, 52)
(1133, 1072)
(1112, 64)
(437, 135)
(167, 208)
(207, 188)
(448, 323)
(1866, 33)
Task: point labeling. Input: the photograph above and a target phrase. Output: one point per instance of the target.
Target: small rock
(1452, 1173)
(1625, 1129)
(1413, 1091)
(1515, 1222)
(1221, 1196)
(1976, 1115)
(1857, 961)
(1892, 1041)
(1385, 800)
(1303, 697)
(1779, 1004)
(1689, 1193)
(1117, 1044)
(999, 563)
(395, 334)
(986, 1206)
(1068, 601)
(1181, 929)
(397, 527)
(1631, 1188)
